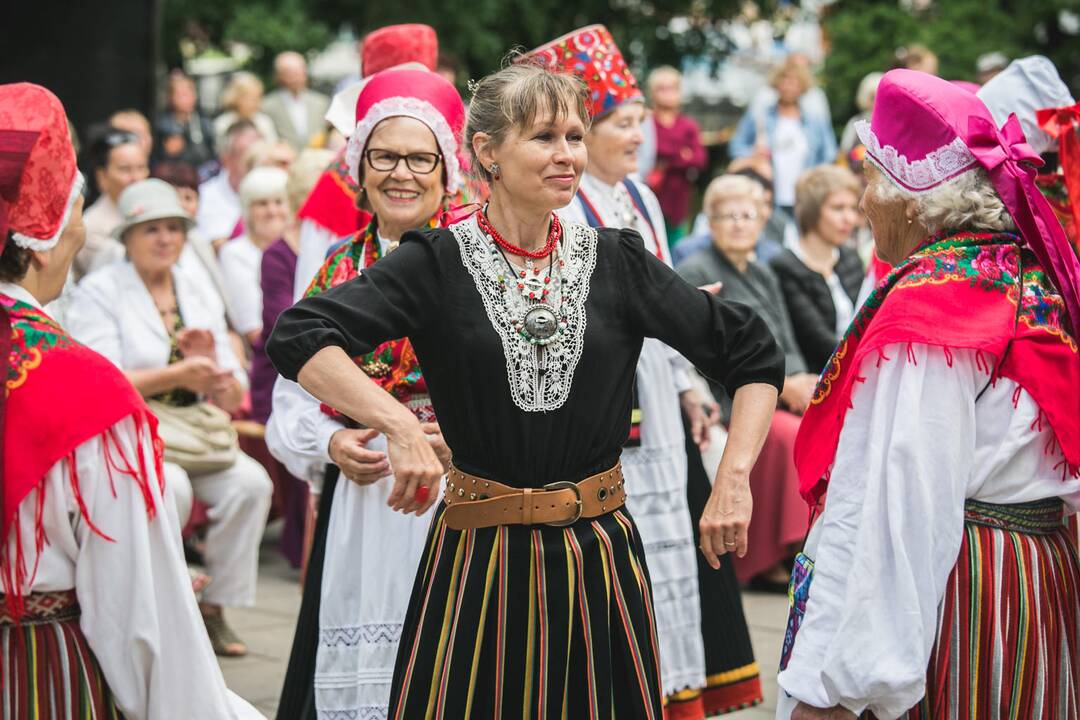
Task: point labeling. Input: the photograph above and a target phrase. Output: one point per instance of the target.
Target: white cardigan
(112, 312)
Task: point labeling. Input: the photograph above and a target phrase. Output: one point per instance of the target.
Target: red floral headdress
(591, 54)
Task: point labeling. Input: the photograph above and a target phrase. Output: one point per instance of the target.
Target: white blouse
(241, 266)
(913, 448)
(112, 312)
(138, 612)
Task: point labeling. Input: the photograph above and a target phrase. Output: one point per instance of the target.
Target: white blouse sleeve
(298, 432)
(242, 286)
(138, 611)
(889, 535)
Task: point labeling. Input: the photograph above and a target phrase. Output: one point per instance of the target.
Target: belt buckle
(566, 485)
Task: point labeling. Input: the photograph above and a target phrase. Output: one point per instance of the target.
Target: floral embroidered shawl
(983, 292)
(393, 364)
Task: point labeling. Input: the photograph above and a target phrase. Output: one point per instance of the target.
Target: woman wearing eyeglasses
(734, 205)
(403, 153)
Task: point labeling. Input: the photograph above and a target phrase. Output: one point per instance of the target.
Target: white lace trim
(415, 108)
(940, 165)
(39, 245)
(540, 376)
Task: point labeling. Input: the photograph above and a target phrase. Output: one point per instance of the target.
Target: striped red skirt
(534, 622)
(1008, 643)
(48, 671)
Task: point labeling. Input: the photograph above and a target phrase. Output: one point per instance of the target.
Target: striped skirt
(530, 622)
(1009, 636)
(48, 671)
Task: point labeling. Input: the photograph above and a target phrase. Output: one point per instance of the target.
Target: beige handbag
(199, 438)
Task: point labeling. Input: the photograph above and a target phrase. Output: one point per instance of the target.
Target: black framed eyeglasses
(421, 163)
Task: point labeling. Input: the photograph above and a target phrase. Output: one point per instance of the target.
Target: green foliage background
(478, 33)
(864, 34)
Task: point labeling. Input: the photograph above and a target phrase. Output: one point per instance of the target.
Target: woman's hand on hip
(358, 464)
(416, 465)
(725, 522)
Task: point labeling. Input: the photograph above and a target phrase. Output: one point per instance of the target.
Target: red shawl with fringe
(59, 394)
(977, 291)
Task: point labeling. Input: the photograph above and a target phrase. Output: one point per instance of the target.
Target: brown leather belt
(473, 502)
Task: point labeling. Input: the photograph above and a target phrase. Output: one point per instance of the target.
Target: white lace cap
(404, 106)
(42, 244)
(916, 176)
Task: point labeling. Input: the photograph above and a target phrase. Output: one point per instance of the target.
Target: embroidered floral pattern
(540, 376)
(988, 261)
(393, 364)
(33, 333)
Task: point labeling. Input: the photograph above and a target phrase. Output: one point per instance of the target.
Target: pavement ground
(268, 627)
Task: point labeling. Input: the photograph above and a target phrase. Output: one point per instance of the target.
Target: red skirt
(780, 517)
(48, 671)
(1008, 643)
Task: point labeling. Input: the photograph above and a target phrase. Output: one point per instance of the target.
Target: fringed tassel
(911, 355)
(948, 356)
(882, 357)
(1037, 423)
(14, 575)
(980, 363)
(1016, 396)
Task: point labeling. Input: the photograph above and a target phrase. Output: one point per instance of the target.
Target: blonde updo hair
(304, 173)
(793, 67)
(814, 188)
(724, 188)
(241, 82)
(515, 97)
(967, 202)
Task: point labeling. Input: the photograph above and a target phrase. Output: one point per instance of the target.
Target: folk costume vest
(977, 291)
(59, 394)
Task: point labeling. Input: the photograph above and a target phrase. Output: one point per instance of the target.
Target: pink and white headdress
(926, 131)
(419, 94)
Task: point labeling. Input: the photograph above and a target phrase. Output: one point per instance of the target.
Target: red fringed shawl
(59, 394)
(983, 292)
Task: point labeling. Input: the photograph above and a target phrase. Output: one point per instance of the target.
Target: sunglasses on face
(420, 163)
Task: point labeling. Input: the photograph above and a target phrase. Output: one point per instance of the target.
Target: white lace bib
(540, 376)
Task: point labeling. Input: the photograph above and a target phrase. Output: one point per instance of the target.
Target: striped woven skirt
(1008, 643)
(48, 671)
(530, 622)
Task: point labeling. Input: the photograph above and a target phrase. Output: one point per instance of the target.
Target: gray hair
(967, 202)
(514, 97)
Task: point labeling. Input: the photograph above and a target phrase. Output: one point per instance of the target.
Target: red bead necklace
(554, 235)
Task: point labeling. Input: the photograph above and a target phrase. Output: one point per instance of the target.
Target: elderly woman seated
(821, 274)
(147, 316)
(939, 580)
(736, 209)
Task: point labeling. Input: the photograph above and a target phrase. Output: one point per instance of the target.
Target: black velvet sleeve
(727, 341)
(393, 298)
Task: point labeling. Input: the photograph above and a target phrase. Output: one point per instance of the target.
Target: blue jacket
(819, 135)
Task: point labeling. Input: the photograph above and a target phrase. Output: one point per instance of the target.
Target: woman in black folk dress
(532, 598)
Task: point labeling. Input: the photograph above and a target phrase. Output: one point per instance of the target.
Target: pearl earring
(494, 170)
